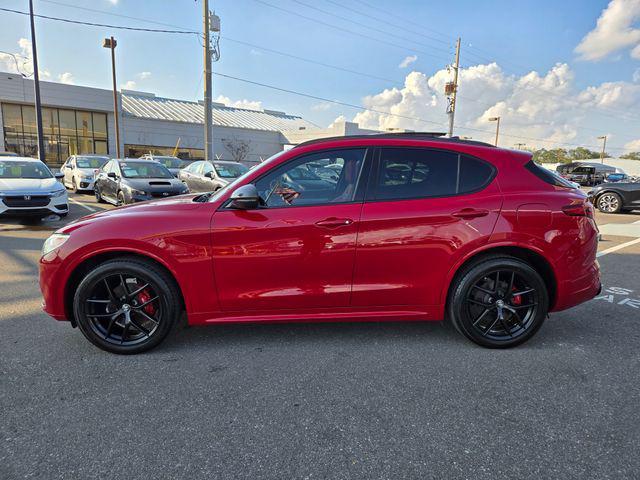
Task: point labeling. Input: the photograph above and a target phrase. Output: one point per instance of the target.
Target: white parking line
(618, 247)
(91, 209)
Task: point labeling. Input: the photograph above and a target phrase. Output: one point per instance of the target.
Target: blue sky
(520, 36)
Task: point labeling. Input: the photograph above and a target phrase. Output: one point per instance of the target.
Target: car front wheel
(126, 305)
(609, 203)
(498, 302)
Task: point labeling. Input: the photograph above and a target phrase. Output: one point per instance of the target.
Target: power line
(91, 24)
(344, 30)
(381, 112)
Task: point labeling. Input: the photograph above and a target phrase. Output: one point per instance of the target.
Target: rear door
(424, 208)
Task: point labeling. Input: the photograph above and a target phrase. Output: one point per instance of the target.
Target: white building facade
(79, 120)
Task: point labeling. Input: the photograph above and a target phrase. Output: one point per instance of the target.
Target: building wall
(162, 133)
(16, 89)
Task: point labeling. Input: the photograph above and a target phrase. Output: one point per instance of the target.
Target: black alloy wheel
(500, 302)
(126, 306)
(97, 193)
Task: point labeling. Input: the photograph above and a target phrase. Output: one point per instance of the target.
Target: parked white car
(28, 188)
(80, 171)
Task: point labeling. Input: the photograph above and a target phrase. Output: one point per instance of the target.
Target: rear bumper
(578, 290)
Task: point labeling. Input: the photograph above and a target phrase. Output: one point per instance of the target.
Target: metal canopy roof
(146, 105)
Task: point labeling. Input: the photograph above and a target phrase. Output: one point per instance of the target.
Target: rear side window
(406, 173)
(547, 176)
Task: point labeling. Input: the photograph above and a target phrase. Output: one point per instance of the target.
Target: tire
(609, 202)
(98, 195)
(126, 326)
(121, 199)
(74, 185)
(484, 309)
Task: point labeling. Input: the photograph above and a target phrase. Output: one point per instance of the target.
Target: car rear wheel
(126, 306)
(74, 185)
(609, 202)
(499, 302)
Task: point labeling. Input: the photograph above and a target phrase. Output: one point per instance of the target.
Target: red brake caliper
(517, 300)
(143, 297)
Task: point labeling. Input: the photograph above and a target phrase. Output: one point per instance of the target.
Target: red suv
(385, 227)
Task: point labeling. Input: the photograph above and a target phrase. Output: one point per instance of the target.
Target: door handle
(468, 213)
(334, 222)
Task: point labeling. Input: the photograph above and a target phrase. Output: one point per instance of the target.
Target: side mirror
(209, 174)
(245, 198)
(59, 175)
(112, 175)
(70, 167)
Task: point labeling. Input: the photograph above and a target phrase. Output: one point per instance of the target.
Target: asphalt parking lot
(369, 400)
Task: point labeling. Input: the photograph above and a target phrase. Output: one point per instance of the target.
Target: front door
(422, 208)
(297, 251)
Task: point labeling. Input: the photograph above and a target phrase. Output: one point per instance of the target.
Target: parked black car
(174, 164)
(206, 176)
(585, 173)
(616, 197)
(127, 181)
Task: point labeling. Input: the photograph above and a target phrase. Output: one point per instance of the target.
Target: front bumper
(85, 184)
(54, 205)
(136, 197)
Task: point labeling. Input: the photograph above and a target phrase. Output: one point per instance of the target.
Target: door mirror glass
(112, 175)
(245, 198)
(59, 176)
(209, 174)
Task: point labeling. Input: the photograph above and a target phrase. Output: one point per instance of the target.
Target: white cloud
(633, 146)
(66, 77)
(545, 106)
(408, 61)
(129, 85)
(636, 76)
(321, 107)
(339, 119)
(614, 32)
(143, 75)
(244, 103)
(113, 2)
(21, 62)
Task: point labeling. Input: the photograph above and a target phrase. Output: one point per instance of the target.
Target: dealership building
(79, 120)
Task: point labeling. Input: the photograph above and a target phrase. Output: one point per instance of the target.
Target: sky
(559, 74)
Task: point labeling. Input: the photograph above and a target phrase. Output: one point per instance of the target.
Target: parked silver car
(27, 187)
(80, 171)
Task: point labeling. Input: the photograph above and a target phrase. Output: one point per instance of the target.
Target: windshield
(17, 169)
(171, 162)
(91, 162)
(144, 170)
(230, 170)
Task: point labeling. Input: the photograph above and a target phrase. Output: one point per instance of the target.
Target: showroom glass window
(66, 132)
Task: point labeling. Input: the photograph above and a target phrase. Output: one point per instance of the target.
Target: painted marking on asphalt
(618, 247)
(91, 209)
(621, 229)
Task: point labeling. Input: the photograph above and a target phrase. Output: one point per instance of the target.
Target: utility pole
(604, 145)
(36, 85)
(452, 89)
(111, 43)
(497, 120)
(208, 120)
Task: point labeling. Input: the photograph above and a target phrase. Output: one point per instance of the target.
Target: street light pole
(604, 145)
(497, 120)
(36, 85)
(208, 120)
(454, 89)
(111, 44)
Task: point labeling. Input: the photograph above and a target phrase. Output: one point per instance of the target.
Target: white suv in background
(28, 188)
(80, 171)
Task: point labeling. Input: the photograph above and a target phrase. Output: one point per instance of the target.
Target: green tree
(631, 156)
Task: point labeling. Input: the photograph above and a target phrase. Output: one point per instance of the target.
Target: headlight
(86, 177)
(54, 241)
(58, 193)
(137, 192)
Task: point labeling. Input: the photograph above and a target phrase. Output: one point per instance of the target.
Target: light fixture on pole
(604, 145)
(497, 120)
(111, 44)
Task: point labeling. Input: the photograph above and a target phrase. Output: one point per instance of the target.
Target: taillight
(579, 209)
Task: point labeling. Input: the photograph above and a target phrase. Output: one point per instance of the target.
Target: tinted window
(414, 173)
(547, 176)
(298, 182)
(144, 170)
(474, 174)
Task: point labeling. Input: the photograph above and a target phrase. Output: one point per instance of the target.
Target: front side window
(34, 170)
(298, 182)
(144, 169)
(206, 168)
